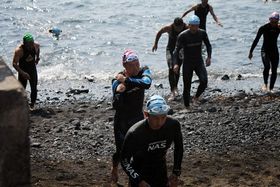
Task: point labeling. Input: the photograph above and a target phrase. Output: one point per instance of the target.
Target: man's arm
(126, 155)
(255, 42)
(178, 150)
(188, 11)
(214, 16)
(208, 48)
(37, 47)
(17, 55)
(144, 82)
(175, 57)
(165, 29)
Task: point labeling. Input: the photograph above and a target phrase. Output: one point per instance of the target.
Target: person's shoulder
(172, 122)
(137, 127)
(36, 44)
(19, 49)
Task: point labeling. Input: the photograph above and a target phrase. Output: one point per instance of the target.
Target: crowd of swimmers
(143, 136)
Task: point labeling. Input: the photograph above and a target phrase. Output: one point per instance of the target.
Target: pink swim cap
(274, 15)
(129, 56)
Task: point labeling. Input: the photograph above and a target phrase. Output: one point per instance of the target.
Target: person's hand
(173, 181)
(176, 68)
(121, 88)
(220, 24)
(25, 75)
(120, 77)
(154, 48)
(208, 61)
(250, 56)
(144, 184)
(37, 61)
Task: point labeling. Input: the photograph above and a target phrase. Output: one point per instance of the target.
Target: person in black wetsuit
(202, 10)
(128, 97)
(269, 50)
(26, 57)
(173, 31)
(145, 146)
(191, 41)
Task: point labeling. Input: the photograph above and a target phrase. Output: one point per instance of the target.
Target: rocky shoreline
(228, 141)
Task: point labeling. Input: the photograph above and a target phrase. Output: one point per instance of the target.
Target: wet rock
(239, 77)
(159, 86)
(225, 77)
(77, 91)
(212, 109)
(216, 90)
(90, 78)
(64, 176)
(36, 145)
(80, 110)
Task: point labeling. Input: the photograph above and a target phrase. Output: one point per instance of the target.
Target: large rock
(14, 131)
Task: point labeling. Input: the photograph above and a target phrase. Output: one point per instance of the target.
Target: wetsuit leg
(187, 79)
(173, 77)
(33, 85)
(201, 72)
(274, 59)
(119, 138)
(121, 126)
(22, 80)
(266, 64)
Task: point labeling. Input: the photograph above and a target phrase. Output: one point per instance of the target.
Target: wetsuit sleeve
(144, 81)
(115, 84)
(255, 42)
(208, 45)
(177, 50)
(178, 150)
(126, 155)
(117, 97)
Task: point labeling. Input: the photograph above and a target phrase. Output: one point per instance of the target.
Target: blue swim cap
(55, 31)
(194, 20)
(156, 105)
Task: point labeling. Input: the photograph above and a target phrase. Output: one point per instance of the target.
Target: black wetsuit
(193, 61)
(144, 152)
(27, 64)
(128, 106)
(269, 51)
(173, 77)
(202, 13)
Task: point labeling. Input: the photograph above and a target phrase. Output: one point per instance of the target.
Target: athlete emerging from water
(191, 41)
(173, 31)
(145, 146)
(128, 97)
(26, 57)
(202, 10)
(269, 50)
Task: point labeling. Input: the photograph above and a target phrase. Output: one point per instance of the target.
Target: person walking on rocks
(269, 51)
(128, 98)
(146, 144)
(201, 10)
(173, 31)
(25, 59)
(191, 41)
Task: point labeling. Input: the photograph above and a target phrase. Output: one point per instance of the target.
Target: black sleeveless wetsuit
(128, 106)
(269, 51)
(173, 77)
(144, 152)
(202, 13)
(27, 64)
(193, 61)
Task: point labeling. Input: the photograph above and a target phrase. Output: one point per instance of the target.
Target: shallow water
(96, 32)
